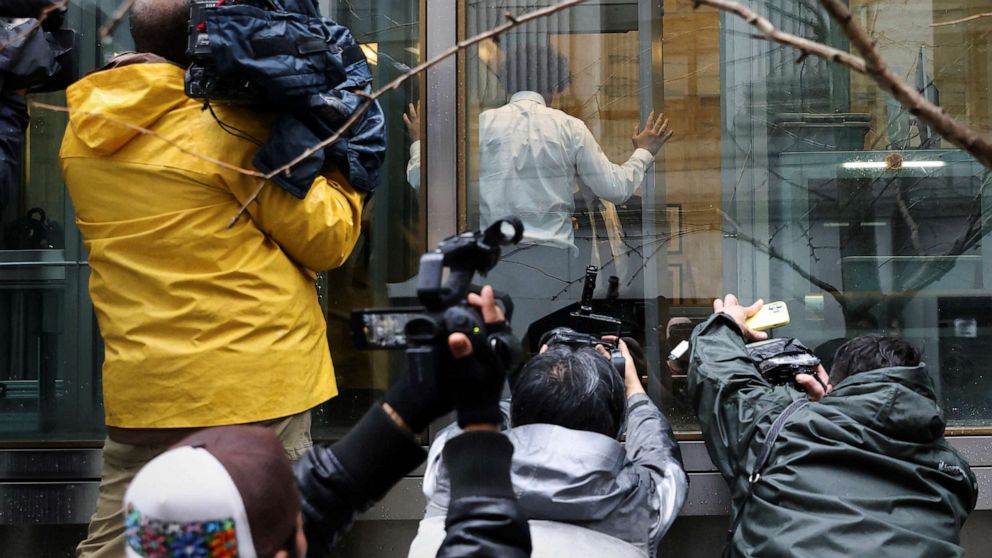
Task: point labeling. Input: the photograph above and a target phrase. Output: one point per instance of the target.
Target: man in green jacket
(862, 469)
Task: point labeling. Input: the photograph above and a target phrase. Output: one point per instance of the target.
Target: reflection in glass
(786, 181)
(390, 244)
(49, 347)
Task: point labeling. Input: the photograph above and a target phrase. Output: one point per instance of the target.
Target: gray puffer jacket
(632, 492)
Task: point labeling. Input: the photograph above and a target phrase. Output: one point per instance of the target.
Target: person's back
(865, 469)
(527, 167)
(204, 323)
(567, 410)
(186, 305)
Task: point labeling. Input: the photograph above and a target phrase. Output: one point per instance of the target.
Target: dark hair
(574, 388)
(871, 352)
(160, 27)
(534, 67)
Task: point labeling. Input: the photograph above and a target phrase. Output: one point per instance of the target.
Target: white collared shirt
(529, 158)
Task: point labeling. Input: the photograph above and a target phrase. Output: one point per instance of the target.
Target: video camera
(203, 80)
(423, 331)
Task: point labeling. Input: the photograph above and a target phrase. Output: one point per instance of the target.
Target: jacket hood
(107, 107)
(899, 402)
(559, 474)
(568, 475)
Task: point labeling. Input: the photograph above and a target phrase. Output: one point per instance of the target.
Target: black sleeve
(24, 8)
(340, 481)
(484, 518)
(13, 125)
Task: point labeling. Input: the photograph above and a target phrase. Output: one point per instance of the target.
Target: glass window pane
(801, 182)
(385, 260)
(53, 353)
(49, 349)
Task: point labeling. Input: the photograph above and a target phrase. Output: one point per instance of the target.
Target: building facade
(787, 180)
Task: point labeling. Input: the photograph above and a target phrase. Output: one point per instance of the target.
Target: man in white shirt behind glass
(530, 159)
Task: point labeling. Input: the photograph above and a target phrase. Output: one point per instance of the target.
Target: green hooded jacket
(865, 471)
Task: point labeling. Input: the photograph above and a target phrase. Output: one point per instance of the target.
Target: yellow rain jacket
(203, 325)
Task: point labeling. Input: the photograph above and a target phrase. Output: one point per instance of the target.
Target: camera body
(571, 338)
(203, 81)
(423, 331)
(780, 360)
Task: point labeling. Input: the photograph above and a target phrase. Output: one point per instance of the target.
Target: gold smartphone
(771, 315)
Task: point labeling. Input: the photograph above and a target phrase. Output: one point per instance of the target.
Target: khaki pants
(122, 461)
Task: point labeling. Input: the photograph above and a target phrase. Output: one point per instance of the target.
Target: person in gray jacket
(568, 408)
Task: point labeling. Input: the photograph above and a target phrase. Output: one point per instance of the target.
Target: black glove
(419, 400)
(477, 380)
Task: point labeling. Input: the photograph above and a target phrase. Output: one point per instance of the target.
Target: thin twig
(152, 133)
(118, 16)
(512, 21)
(962, 20)
(774, 254)
(770, 32)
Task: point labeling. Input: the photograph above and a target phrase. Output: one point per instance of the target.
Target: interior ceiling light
(884, 165)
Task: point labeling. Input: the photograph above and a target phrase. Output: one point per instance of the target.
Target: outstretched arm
(484, 518)
(412, 121)
(616, 183)
(340, 481)
(729, 394)
(652, 448)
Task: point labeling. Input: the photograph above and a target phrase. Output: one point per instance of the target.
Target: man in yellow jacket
(203, 325)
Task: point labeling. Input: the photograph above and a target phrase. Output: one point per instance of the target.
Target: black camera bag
(780, 360)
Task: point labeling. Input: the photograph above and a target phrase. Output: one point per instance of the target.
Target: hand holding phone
(771, 315)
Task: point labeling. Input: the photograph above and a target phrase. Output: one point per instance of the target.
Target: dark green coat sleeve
(735, 405)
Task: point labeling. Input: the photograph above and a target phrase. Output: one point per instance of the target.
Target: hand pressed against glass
(654, 135)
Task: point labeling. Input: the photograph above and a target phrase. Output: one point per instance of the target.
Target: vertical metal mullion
(650, 20)
(441, 107)
(440, 152)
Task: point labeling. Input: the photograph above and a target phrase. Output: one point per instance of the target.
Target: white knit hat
(184, 503)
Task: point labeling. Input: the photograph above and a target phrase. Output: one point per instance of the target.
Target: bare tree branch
(962, 20)
(918, 105)
(115, 19)
(874, 67)
(512, 21)
(805, 46)
(775, 254)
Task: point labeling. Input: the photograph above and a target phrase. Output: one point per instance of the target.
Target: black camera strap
(759, 465)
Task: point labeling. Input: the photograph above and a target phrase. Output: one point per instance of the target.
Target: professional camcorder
(284, 57)
(423, 331)
(781, 360)
(203, 79)
(571, 338)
